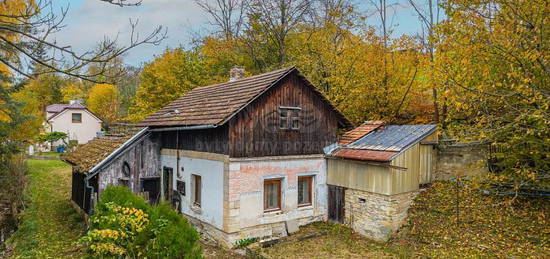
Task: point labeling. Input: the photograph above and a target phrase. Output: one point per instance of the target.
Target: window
(180, 186)
(283, 120)
(126, 170)
(304, 190)
(197, 188)
(272, 194)
(289, 117)
(76, 117)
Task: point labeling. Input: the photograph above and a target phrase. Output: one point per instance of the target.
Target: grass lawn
(50, 227)
(50, 154)
(488, 228)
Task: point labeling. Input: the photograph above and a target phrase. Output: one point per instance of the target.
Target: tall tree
(269, 24)
(26, 27)
(103, 100)
(429, 13)
(496, 63)
(166, 78)
(226, 15)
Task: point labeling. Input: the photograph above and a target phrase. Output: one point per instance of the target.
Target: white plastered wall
(211, 172)
(82, 132)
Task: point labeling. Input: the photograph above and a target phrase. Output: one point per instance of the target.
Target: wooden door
(151, 186)
(336, 202)
(167, 175)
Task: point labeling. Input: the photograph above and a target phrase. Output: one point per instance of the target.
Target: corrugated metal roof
(393, 137)
(360, 131)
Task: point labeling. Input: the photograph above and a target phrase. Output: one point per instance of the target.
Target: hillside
(488, 227)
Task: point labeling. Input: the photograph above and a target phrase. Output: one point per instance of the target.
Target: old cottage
(240, 159)
(127, 156)
(375, 171)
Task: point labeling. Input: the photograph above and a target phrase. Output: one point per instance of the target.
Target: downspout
(87, 185)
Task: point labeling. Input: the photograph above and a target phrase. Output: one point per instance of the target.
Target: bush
(124, 225)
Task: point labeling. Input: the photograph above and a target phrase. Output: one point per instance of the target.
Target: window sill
(273, 212)
(305, 207)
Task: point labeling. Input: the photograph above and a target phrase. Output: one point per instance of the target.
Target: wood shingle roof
(86, 156)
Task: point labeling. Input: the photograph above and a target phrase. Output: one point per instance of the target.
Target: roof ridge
(244, 78)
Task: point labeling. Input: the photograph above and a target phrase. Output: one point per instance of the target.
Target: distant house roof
(360, 131)
(384, 143)
(101, 149)
(216, 104)
(58, 107)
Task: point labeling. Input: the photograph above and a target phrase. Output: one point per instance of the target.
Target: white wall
(83, 132)
(211, 172)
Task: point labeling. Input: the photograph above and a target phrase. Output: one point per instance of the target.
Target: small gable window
(76, 117)
(289, 117)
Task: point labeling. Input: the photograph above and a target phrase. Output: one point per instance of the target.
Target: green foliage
(121, 196)
(125, 225)
(49, 227)
(53, 136)
(245, 242)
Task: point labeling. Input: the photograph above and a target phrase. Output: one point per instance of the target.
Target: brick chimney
(236, 73)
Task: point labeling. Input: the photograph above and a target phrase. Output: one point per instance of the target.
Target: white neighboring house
(74, 119)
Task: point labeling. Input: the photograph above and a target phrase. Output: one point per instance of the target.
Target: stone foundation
(376, 216)
(262, 232)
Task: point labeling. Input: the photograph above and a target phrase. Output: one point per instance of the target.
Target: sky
(88, 21)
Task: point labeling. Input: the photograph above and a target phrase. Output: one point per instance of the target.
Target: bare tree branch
(26, 34)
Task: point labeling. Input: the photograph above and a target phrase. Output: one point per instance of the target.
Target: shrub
(124, 225)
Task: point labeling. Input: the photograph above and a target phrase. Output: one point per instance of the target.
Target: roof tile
(213, 104)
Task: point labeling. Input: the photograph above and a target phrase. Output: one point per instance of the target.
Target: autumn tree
(166, 78)
(496, 63)
(103, 100)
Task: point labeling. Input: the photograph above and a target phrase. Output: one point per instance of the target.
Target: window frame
(125, 166)
(197, 190)
(292, 114)
(309, 179)
(279, 181)
(72, 117)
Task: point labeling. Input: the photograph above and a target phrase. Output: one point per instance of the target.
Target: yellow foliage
(166, 78)
(103, 100)
(72, 91)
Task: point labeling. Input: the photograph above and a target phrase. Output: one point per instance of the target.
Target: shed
(128, 158)
(374, 176)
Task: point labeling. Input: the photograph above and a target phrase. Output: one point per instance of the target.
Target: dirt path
(50, 227)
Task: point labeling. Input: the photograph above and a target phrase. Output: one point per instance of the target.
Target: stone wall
(465, 159)
(376, 216)
(262, 232)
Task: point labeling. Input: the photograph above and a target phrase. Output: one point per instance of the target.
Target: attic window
(289, 117)
(76, 117)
